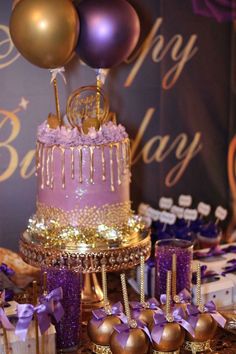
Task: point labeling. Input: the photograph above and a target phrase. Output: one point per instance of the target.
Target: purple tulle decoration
(68, 328)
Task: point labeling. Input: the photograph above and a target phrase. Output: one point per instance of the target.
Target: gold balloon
(101, 335)
(172, 338)
(14, 3)
(137, 343)
(205, 329)
(45, 31)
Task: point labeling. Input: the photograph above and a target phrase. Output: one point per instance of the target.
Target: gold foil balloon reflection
(45, 31)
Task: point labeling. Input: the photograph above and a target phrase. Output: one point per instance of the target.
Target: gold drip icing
(72, 163)
(48, 159)
(37, 158)
(52, 170)
(80, 164)
(128, 156)
(103, 164)
(42, 169)
(91, 150)
(63, 178)
(111, 168)
(123, 148)
(118, 163)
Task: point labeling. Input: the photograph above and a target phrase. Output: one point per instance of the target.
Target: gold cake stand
(88, 259)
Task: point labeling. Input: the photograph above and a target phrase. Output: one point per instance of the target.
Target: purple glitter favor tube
(68, 329)
(164, 250)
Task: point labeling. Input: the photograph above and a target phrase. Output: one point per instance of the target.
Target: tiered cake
(83, 194)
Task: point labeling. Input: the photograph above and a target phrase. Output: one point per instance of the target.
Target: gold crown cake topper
(87, 107)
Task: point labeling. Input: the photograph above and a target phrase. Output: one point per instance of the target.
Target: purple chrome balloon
(109, 32)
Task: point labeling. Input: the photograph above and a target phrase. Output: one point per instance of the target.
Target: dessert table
(224, 342)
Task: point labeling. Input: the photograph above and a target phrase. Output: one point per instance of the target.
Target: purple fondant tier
(85, 176)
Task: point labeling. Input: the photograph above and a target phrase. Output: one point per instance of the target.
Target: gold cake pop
(168, 335)
(142, 310)
(101, 325)
(205, 326)
(129, 338)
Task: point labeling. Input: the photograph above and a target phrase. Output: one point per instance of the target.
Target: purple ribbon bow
(25, 315)
(210, 308)
(151, 304)
(160, 321)
(230, 268)
(100, 314)
(184, 296)
(124, 329)
(53, 304)
(193, 314)
(6, 270)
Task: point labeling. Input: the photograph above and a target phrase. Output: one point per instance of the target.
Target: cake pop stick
(104, 287)
(142, 280)
(168, 297)
(199, 293)
(174, 275)
(35, 300)
(125, 297)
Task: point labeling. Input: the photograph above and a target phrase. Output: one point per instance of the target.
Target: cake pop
(101, 325)
(144, 310)
(168, 331)
(204, 319)
(132, 337)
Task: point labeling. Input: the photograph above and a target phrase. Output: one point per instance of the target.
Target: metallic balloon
(45, 31)
(14, 3)
(109, 31)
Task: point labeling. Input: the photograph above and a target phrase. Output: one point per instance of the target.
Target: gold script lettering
(158, 148)
(7, 50)
(26, 163)
(13, 156)
(159, 51)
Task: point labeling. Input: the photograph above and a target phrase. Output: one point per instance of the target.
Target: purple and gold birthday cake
(83, 187)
